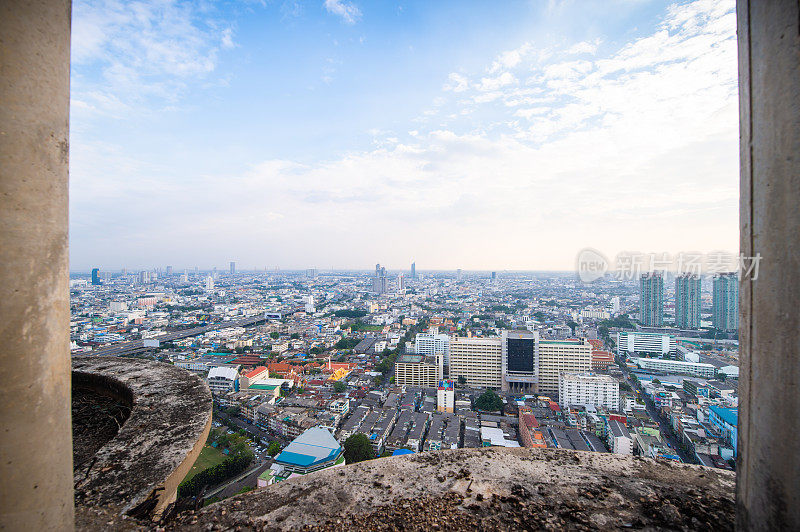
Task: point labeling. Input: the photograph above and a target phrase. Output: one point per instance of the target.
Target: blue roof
(728, 415)
(400, 452)
(316, 445)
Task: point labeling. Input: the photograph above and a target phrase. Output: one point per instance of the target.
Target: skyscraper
(494, 276)
(458, 274)
(233, 267)
(413, 270)
(651, 300)
(401, 285)
(379, 281)
(726, 302)
(687, 301)
(95, 276)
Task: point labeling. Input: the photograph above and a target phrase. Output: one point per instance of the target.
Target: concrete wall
(768, 491)
(35, 443)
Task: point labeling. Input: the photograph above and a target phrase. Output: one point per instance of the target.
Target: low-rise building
(314, 449)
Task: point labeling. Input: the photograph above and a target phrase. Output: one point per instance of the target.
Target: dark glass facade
(520, 352)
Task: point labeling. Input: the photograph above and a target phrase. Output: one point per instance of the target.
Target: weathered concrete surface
(485, 489)
(768, 494)
(138, 471)
(35, 441)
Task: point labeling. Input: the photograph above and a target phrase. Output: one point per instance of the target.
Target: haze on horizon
(341, 133)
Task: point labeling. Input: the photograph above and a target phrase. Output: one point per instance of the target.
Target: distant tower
(687, 301)
(95, 276)
(494, 276)
(233, 267)
(651, 299)
(209, 283)
(413, 270)
(169, 271)
(458, 274)
(401, 285)
(379, 282)
(726, 302)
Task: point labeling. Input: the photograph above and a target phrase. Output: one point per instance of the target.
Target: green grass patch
(209, 457)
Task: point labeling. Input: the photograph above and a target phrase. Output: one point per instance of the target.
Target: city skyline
(278, 133)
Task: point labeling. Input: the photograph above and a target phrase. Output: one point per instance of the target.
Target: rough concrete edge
(149, 402)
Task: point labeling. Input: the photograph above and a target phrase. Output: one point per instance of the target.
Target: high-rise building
(311, 273)
(520, 361)
(413, 270)
(615, 305)
(687, 301)
(401, 284)
(379, 283)
(562, 356)
(478, 360)
(458, 274)
(233, 267)
(726, 302)
(494, 276)
(651, 299)
(532, 365)
(432, 343)
(96, 276)
(209, 283)
(169, 271)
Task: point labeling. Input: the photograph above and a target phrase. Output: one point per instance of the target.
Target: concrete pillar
(36, 433)
(768, 489)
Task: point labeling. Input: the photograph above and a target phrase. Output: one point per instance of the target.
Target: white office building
(677, 367)
(562, 356)
(630, 343)
(477, 360)
(222, 379)
(432, 343)
(586, 389)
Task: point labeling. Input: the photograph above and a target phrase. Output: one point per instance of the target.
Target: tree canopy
(357, 448)
(489, 401)
(339, 386)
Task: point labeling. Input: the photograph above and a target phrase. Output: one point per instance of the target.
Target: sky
(343, 133)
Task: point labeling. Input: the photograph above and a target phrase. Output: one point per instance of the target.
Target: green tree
(274, 448)
(339, 387)
(295, 336)
(357, 448)
(274, 335)
(572, 325)
(462, 380)
(656, 382)
(489, 401)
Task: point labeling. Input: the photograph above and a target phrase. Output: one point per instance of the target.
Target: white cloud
(347, 10)
(631, 149)
(131, 52)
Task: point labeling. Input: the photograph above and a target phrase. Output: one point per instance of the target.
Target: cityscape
(376, 364)
(325, 265)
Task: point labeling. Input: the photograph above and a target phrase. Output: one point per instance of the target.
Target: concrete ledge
(138, 471)
(491, 488)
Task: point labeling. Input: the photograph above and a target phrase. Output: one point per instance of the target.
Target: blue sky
(335, 133)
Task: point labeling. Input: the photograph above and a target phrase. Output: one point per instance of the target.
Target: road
(125, 348)
(666, 431)
(247, 479)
